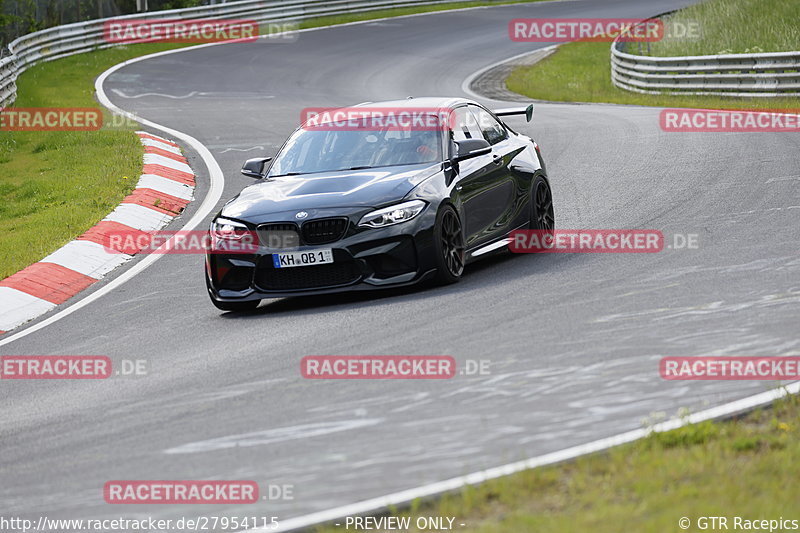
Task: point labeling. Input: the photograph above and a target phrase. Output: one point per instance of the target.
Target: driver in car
(428, 146)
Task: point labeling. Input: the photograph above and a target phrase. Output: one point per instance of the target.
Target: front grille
(340, 272)
(324, 230)
(281, 236)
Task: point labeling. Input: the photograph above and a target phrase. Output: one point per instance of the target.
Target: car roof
(437, 102)
(426, 102)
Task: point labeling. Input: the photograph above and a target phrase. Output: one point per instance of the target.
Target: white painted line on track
(174, 97)
(441, 487)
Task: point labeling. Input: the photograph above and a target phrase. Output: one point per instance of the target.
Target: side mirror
(469, 148)
(254, 168)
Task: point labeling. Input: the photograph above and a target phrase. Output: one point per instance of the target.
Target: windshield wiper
(287, 174)
(362, 167)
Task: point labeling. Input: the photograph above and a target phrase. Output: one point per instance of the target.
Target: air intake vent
(324, 230)
(282, 236)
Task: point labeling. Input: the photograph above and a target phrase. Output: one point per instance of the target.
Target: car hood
(352, 188)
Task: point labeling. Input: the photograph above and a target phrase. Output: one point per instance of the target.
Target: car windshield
(326, 148)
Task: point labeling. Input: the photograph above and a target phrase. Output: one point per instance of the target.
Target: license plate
(296, 259)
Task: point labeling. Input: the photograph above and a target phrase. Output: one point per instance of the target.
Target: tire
(542, 214)
(449, 246)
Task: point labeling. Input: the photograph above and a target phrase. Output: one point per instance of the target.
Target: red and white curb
(164, 189)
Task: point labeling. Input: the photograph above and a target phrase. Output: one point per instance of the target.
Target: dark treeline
(18, 17)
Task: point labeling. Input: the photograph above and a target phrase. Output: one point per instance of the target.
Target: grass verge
(54, 185)
(734, 27)
(581, 72)
(742, 467)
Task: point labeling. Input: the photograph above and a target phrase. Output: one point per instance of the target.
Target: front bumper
(364, 259)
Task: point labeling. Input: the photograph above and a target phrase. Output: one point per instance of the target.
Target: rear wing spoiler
(527, 111)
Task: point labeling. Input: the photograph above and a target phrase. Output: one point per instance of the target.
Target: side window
(465, 125)
(493, 131)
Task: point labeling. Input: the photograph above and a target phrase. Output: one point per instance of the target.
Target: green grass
(735, 27)
(55, 185)
(581, 72)
(745, 467)
(400, 11)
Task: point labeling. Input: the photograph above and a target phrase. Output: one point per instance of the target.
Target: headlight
(222, 228)
(393, 214)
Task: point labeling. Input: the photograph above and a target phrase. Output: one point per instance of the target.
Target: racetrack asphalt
(573, 340)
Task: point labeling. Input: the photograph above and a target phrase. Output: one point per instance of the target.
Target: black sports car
(379, 202)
